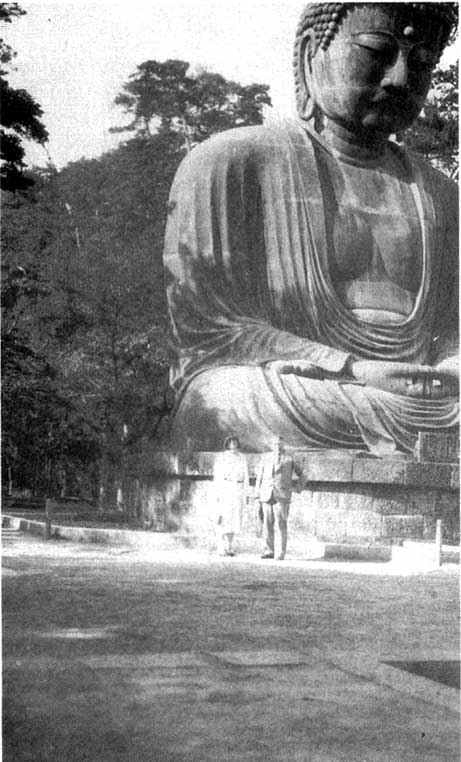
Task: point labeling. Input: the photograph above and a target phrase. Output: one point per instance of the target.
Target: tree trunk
(119, 495)
(186, 134)
(63, 476)
(111, 470)
(103, 469)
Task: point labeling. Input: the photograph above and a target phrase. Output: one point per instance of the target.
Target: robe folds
(248, 283)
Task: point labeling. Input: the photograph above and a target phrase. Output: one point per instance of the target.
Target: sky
(74, 57)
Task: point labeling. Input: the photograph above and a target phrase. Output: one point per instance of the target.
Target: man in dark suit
(273, 489)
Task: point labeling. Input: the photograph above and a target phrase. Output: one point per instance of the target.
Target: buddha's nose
(397, 74)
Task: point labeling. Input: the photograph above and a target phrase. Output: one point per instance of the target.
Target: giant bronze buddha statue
(311, 268)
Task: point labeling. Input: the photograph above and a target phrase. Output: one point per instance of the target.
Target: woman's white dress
(231, 488)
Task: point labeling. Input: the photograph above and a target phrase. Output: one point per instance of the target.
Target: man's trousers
(275, 512)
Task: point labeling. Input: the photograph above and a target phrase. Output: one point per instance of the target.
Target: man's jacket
(274, 478)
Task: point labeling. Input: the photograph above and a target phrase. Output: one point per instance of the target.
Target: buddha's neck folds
(357, 146)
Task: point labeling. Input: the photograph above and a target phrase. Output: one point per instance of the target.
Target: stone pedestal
(349, 497)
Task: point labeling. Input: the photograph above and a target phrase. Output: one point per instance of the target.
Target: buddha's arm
(221, 306)
(445, 339)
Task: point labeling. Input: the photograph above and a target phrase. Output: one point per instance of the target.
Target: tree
(41, 428)
(434, 135)
(166, 97)
(91, 304)
(19, 118)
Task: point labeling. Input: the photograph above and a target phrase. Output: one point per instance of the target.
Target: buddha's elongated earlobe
(304, 102)
(309, 109)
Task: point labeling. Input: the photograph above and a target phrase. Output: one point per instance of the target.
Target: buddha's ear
(306, 51)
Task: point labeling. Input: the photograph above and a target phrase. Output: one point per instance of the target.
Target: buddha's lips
(395, 100)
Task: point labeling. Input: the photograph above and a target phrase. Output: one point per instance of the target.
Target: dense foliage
(20, 115)
(434, 135)
(83, 256)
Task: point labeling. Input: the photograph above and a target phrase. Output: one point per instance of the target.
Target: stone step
(407, 554)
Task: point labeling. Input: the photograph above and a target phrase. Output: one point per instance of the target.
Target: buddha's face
(376, 72)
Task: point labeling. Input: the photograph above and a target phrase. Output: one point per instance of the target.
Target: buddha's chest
(374, 231)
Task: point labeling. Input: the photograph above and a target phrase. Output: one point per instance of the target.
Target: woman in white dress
(231, 483)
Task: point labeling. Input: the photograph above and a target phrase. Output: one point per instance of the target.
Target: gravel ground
(110, 654)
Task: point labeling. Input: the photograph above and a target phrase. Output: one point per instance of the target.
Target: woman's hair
(231, 438)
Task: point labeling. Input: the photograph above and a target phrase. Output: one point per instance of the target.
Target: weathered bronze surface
(311, 268)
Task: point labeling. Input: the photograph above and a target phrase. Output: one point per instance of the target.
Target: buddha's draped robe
(248, 282)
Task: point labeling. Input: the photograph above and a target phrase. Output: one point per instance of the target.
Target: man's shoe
(267, 555)
(281, 557)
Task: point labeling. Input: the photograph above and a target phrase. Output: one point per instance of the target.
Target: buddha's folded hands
(449, 367)
(297, 368)
(420, 381)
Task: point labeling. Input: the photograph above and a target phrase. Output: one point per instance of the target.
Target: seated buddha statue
(311, 267)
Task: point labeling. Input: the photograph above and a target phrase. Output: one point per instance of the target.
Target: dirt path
(112, 655)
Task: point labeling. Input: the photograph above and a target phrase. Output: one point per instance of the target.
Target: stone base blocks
(349, 498)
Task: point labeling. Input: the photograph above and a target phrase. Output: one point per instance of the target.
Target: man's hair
(324, 20)
(229, 439)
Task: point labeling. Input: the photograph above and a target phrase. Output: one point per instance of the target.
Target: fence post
(438, 543)
(48, 511)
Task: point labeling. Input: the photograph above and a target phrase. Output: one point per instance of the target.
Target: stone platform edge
(170, 541)
(320, 467)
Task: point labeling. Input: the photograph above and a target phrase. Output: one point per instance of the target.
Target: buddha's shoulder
(434, 179)
(258, 143)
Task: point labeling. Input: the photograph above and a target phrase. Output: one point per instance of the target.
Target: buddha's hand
(449, 366)
(420, 381)
(296, 368)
